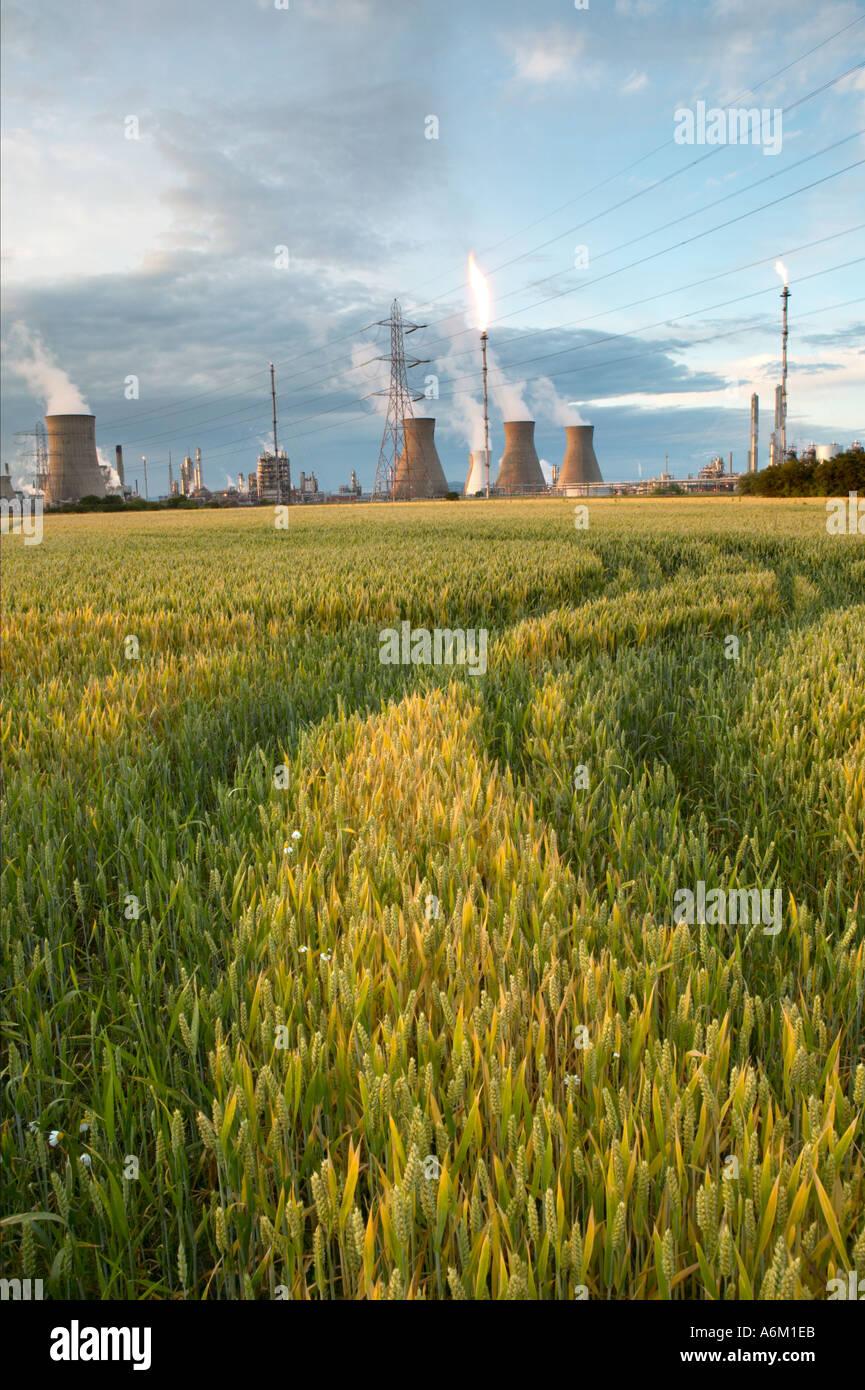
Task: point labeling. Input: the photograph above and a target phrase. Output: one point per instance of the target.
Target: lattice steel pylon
(399, 402)
(38, 456)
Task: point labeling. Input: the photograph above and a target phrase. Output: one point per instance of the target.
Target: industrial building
(419, 472)
(274, 477)
(73, 464)
(350, 489)
(579, 465)
(520, 468)
(308, 486)
(190, 476)
(7, 491)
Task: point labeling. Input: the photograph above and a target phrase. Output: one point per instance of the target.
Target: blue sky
(555, 161)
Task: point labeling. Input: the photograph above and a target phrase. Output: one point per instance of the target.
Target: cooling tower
(520, 467)
(419, 471)
(476, 480)
(579, 466)
(7, 491)
(73, 468)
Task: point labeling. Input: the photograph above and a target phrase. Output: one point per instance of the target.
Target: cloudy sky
(194, 188)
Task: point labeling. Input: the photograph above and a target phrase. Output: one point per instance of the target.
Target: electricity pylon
(399, 402)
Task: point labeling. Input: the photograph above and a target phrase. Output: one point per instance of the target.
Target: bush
(803, 478)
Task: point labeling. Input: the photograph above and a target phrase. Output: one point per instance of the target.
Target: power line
(632, 357)
(654, 255)
(650, 188)
(675, 289)
(665, 251)
(663, 323)
(252, 375)
(707, 207)
(572, 371)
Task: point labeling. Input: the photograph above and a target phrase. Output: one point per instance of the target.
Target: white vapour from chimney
(507, 395)
(109, 472)
(29, 358)
(550, 406)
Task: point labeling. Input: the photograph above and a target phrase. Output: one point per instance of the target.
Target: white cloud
(555, 56)
(635, 82)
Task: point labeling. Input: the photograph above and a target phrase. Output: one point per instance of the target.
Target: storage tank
(520, 468)
(579, 466)
(73, 466)
(419, 471)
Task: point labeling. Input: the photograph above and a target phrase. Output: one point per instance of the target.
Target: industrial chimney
(73, 465)
(475, 481)
(755, 420)
(419, 471)
(777, 452)
(198, 470)
(118, 462)
(579, 466)
(520, 468)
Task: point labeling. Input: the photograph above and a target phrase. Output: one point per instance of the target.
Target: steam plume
(28, 356)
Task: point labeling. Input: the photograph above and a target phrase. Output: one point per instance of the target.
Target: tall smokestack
(73, 465)
(419, 471)
(580, 465)
(118, 462)
(198, 469)
(776, 433)
(785, 295)
(755, 422)
(520, 468)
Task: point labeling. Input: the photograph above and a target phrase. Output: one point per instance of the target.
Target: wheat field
(329, 979)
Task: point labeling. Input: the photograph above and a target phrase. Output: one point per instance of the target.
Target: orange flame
(481, 292)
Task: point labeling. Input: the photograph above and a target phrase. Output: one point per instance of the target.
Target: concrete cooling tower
(476, 479)
(73, 467)
(520, 468)
(419, 472)
(579, 466)
(7, 491)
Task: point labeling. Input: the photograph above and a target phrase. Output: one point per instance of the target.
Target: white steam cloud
(109, 472)
(553, 408)
(29, 358)
(507, 395)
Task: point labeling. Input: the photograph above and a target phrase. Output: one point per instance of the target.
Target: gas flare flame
(782, 271)
(481, 292)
